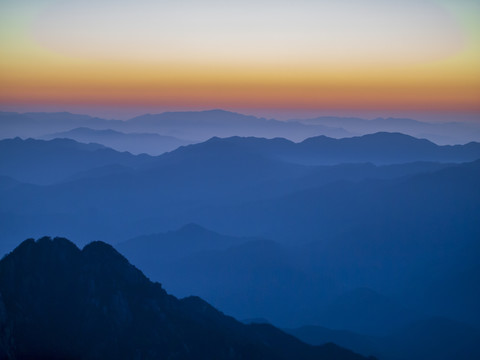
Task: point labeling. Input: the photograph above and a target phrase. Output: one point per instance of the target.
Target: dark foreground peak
(60, 302)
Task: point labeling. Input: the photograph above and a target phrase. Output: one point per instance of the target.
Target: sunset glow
(352, 55)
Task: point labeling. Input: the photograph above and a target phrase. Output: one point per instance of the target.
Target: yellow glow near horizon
(368, 54)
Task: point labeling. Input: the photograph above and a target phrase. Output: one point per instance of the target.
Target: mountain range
(197, 126)
(135, 143)
(212, 183)
(378, 148)
(57, 301)
(239, 187)
(373, 235)
(440, 133)
(43, 162)
(192, 125)
(406, 209)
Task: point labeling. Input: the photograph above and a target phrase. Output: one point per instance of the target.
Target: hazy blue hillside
(161, 249)
(263, 278)
(269, 273)
(403, 236)
(192, 125)
(245, 277)
(251, 278)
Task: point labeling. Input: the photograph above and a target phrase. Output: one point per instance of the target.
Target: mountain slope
(202, 125)
(171, 246)
(245, 277)
(61, 302)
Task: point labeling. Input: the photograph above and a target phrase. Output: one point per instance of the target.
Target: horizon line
(431, 117)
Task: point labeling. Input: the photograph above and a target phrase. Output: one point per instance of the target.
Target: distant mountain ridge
(202, 125)
(378, 148)
(27, 125)
(57, 301)
(50, 161)
(230, 272)
(192, 125)
(46, 162)
(135, 143)
(443, 133)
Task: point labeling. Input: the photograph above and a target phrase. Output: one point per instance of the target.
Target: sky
(118, 58)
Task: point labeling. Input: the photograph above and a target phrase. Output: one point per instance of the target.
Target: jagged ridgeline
(60, 302)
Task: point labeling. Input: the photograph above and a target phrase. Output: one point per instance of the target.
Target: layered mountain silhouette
(250, 278)
(389, 248)
(411, 229)
(371, 240)
(39, 161)
(28, 125)
(440, 133)
(135, 143)
(192, 125)
(57, 301)
(202, 125)
(379, 148)
(243, 276)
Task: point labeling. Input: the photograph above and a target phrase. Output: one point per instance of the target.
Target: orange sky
(59, 54)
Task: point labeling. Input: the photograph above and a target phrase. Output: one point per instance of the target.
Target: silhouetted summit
(60, 302)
